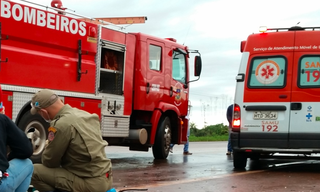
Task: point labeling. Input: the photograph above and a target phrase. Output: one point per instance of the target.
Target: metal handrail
(57, 9)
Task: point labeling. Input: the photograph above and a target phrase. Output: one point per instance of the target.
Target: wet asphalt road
(209, 169)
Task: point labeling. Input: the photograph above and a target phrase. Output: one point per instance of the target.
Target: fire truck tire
(160, 148)
(239, 160)
(36, 130)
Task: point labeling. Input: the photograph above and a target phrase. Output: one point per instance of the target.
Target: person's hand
(47, 143)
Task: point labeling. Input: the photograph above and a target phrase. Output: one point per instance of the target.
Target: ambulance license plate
(272, 115)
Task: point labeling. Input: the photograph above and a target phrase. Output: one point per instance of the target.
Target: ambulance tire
(36, 129)
(160, 148)
(255, 156)
(239, 160)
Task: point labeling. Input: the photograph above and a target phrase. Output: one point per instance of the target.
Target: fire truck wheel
(36, 130)
(239, 160)
(162, 142)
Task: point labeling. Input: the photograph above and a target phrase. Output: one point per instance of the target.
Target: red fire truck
(137, 84)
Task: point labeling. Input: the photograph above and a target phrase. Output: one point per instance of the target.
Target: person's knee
(36, 172)
(29, 164)
(25, 164)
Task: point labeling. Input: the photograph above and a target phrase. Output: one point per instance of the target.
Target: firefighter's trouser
(48, 179)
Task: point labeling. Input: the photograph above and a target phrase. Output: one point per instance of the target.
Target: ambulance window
(154, 57)
(309, 71)
(179, 66)
(267, 72)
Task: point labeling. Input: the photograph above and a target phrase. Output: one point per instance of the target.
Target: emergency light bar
(263, 29)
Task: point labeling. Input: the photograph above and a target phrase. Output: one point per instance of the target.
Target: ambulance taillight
(236, 122)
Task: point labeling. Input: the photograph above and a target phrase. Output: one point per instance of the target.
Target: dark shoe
(228, 153)
(187, 153)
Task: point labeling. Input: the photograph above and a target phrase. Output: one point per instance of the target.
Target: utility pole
(204, 108)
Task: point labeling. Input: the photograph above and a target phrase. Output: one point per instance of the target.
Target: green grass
(209, 138)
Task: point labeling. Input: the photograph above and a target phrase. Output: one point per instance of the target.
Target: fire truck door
(178, 90)
(155, 70)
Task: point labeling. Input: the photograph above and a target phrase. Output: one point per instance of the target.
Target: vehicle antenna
(187, 34)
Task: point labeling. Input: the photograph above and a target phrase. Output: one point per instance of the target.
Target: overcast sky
(214, 27)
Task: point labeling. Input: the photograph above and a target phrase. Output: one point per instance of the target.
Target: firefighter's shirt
(76, 144)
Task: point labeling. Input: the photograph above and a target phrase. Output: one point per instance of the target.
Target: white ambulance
(277, 99)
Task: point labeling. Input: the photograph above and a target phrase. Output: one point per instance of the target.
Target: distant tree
(211, 130)
(193, 125)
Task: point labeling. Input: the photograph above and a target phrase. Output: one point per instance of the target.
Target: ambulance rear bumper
(301, 145)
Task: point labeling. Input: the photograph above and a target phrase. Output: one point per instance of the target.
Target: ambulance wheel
(160, 148)
(239, 160)
(255, 156)
(36, 130)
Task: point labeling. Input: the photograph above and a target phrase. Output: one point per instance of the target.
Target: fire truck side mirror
(197, 66)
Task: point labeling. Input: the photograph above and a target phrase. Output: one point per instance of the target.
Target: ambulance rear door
(265, 110)
(305, 106)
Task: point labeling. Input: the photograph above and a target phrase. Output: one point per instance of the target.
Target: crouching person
(15, 167)
(75, 158)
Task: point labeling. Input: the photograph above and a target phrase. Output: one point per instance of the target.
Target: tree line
(211, 130)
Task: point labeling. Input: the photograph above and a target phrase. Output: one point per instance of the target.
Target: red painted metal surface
(292, 45)
(163, 78)
(258, 45)
(129, 73)
(113, 36)
(42, 49)
(89, 105)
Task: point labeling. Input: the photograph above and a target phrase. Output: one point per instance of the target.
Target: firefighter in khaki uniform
(74, 158)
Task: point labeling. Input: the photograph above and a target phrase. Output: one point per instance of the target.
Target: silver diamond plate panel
(60, 93)
(109, 100)
(115, 126)
(98, 60)
(19, 100)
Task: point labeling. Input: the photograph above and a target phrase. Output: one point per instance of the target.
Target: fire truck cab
(276, 106)
(138, 84)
